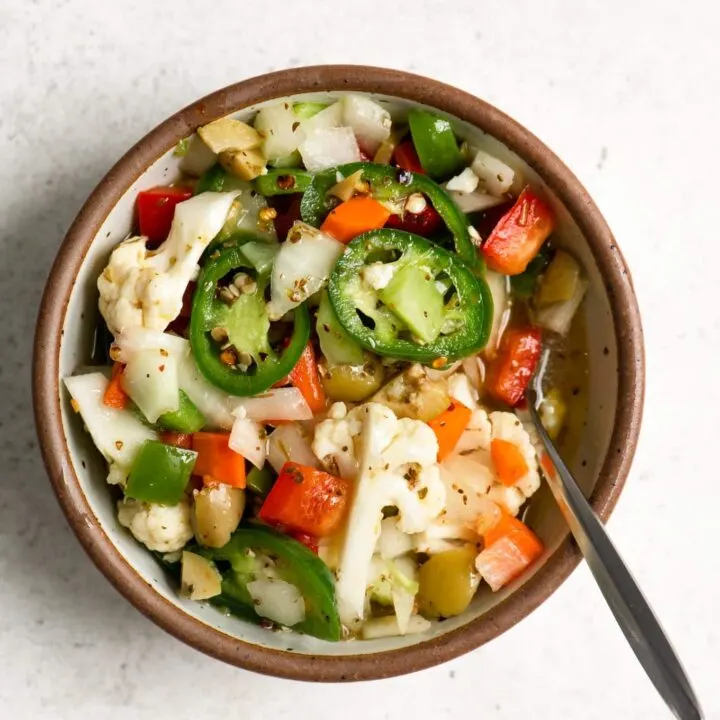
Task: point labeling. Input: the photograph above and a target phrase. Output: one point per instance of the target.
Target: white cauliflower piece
(510, 498)
(460, 389)
(397, 466)
(335, 438)
(117, 474)
(477, 435)
(144, 288)
(507, 426)
(163, 528)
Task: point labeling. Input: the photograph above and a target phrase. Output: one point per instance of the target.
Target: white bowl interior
(90, 467)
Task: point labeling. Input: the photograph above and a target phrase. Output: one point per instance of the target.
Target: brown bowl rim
(46, 390)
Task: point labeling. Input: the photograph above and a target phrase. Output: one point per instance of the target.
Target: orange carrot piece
(115, 396)
(216, 459)
(354, 216)
(509, 462)
(448, 426)
(510, 547)
(304, 376)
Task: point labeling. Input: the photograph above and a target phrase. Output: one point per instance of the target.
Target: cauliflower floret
(510, 498)
(334, 441)
(477, 435)
(159, 527)
(460, 389)
(507, 426)
(117, 475)
(397, 461)
(144, 288)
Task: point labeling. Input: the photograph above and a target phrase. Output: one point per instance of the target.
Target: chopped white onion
(465, 182)
(212, 402)
(327, 147)
(500, 291)
(475, 201)
(137, 339)
(495, 176)
(248, 438)
(474, 369)
(392, 542)
(278, 601)
(198, 158)
(117, 434)
(370, 121)
(277, 404)
(150, 379)
(301, 268)
(329, 117)
(288, 443)
(558, 316)
(384, 627)
(280, 129)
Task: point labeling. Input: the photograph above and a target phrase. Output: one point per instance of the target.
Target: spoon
(631, 610)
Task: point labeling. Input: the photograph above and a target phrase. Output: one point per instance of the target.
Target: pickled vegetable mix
(312, 359)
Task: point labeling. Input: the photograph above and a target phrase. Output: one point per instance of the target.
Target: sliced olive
(448, 582)
(352, 383)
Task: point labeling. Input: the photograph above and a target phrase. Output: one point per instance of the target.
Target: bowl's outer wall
(46, 393)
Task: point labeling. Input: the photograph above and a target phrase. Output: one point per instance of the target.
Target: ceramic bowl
(63, 340)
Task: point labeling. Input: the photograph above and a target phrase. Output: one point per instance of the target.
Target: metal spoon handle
(631, 610)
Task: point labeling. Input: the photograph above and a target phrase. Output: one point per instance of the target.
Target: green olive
(448, 582)
(352, 383)
(216, 514)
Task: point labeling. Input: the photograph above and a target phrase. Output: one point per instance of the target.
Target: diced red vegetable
(156, 208)
(216, 460)
(181, 440)
(448, 426)
(187, 300)
(115, 396)
(519, 235)
(304, 376)
(308, 541)
(304, 499)
(424, 223)
(510, 546)
(510, 371)
(354, 216)
(406, 157)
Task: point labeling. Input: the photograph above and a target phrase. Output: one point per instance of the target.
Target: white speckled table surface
(626, 93)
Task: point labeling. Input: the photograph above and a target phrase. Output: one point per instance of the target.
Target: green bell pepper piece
(294, 563)
(389, 322)
(435, 143)
(336, 345)
(186, 419)
(160, 473)
(246, 324)
(217, 179)
(285, 181)
(389, 183)
(261, 481)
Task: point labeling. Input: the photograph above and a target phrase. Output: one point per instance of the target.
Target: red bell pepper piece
(156, 208)
(304, 376)
(424, 223)
(519, 235)
(304, 499)
(288, 211)
(216, 460)
(406, 157)
(308, 541)
(510, 371)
